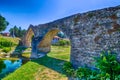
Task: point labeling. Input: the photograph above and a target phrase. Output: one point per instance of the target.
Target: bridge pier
(39, 51)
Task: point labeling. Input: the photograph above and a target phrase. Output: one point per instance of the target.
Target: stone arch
(45, 44)
(28, 37)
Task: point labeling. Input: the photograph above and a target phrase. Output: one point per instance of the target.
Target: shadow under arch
(52, 63)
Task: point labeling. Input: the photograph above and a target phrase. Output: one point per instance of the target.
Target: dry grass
(48, 74)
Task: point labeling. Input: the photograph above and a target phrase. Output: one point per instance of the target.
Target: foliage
(2, 65)
(81, 72)
(13, 40)
(108, 68)
(3, 23)
(17, 31)
(6, 49)
(61, 34)
(62, 42)
(68, 69)
(87, 74)
(6, 43)
(108, 64)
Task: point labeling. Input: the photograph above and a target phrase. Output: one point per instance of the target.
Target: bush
(108, 68)
(6, 43)
(1, 47)
(62, 42)
(68, 69)
(83, 73)
(6, 49)
(107, 63)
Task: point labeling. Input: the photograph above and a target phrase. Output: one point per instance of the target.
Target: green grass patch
(26, 72)
(26, 54)
(7, 43)
(6, 49)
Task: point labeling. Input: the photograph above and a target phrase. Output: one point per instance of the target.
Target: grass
(9, 58)
(8, 44)
(26, 54)
(14, 40)
(45, 68)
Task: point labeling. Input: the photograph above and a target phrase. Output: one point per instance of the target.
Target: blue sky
(25, 12)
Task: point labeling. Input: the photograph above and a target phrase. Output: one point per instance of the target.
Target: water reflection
(9, 66)
(2, 65)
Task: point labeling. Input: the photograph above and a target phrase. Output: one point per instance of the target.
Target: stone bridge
(89, 34)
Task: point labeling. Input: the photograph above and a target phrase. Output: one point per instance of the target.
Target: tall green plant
(83, 73)
(108, 64)
(62, 42)
(6, 43)
(68, 69)
(3, 23)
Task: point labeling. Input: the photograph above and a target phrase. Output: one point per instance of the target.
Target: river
(9, 66)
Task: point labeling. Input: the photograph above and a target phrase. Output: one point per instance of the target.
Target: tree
(14, 31)
(11, 32)
(18, 32)
(61, 34)
(3, 23)
(23, 32)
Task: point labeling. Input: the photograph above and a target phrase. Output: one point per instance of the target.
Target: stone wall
(89, 33)
(93, 32)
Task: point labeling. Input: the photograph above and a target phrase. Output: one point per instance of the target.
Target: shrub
(1, 47)
(108, 68)
(68, 69)
(6, 49)
(62, 42)
(6, 43)
(83, 73)
(107, 63)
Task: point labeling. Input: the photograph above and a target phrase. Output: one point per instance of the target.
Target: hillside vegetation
(8, 44)
(14, 40)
